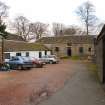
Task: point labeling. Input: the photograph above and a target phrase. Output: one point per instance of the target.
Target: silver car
(51, 59)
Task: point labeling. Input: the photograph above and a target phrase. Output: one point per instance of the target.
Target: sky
(49, 11)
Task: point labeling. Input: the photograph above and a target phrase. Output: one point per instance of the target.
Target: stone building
(15, 46)
(70, 45)
(100, 54)
(20, 48)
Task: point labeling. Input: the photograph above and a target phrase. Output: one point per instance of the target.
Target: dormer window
(89, 49)
(57, 49)
(68, 44)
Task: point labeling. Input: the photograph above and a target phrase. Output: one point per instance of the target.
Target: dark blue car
(19, 62)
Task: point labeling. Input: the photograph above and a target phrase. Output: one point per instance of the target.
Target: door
(69, 51)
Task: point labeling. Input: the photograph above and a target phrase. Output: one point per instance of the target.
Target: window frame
(57, 49)
(7, 55)
(81, 50)
(18, 54)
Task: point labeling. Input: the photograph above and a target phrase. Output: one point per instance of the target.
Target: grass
(65, 57)
(72, 57)
(93, 68)
(75, 58)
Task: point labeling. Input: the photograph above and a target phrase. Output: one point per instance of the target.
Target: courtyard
(66, 83)
(24, 87)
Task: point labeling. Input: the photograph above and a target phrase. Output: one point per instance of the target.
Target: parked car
(50, 59)
(4, 67)
(36, 62)
(19, 62)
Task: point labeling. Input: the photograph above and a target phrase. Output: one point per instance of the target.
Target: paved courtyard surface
(81, 89)
(66, 83)
(32, 86)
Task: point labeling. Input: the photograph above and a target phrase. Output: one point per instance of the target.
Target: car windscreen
(25, 58)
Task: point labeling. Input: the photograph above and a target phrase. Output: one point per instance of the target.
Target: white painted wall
(31, 53)
(23, 53)
(12, 53)
(43, 53)
(34, 54)
(48, 52)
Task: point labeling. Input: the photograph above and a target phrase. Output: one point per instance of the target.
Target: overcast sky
(49, 11)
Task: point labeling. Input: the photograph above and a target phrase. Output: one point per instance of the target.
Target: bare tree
(67, 30)
(86, 12)
(58, 29)
(22, 27)
(70, 30)
(3, 11)
(38, 29)
(78, 30)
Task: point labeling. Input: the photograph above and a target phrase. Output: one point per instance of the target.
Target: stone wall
(74, 49)
(99, 59)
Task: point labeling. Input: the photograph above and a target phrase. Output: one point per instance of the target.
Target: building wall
(99, 55)
(74, 49)
(31, 53)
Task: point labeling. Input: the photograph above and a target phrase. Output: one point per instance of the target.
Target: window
(27, 54)
(57, 49)
(89, 49)
(45, 52)
(40, 54)
(68, 44)
(81, 50)
(7, 55)
(18, 54)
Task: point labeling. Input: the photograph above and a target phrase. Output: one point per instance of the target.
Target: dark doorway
(103, 60)
(69, 51)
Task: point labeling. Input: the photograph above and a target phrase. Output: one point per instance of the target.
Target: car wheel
(28, 68)
(51, 62)
(40, 66)
(20, 67)
(35, 65)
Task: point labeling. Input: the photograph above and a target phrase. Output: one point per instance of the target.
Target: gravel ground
(82, 89)
(32, 86)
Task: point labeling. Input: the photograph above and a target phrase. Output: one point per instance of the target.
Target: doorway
(69, 51)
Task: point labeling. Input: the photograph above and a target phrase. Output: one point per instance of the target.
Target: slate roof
(102, 34)
(66, 39)
(14, 37)
(10, 46)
